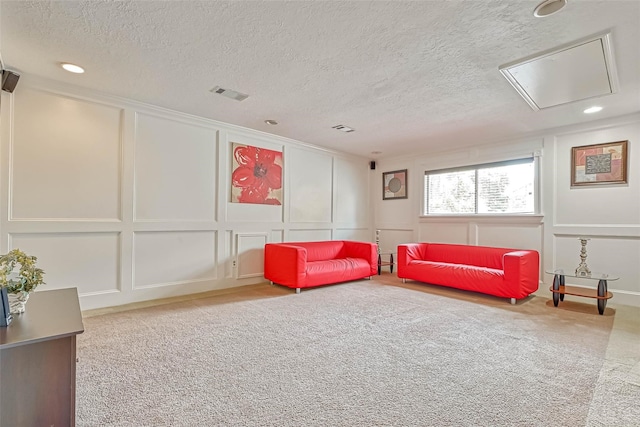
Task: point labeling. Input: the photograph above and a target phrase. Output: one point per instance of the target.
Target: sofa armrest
(285, 264)
(522, 270)
(408, 252)
(364, 250)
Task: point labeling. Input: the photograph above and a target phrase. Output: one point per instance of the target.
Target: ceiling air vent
(580, 70)
(343, 128)
(229, 93)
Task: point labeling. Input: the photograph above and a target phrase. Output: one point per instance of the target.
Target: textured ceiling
(410, 77)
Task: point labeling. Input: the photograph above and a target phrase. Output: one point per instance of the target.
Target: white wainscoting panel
(173, 257)
(277, 236)
(175, 170)
(250, 254)
(518, 236)
(309, 235)
(442, 232)
(310, 180)
(352, 195)
(360, 234)
(65, 158)
(87, 261)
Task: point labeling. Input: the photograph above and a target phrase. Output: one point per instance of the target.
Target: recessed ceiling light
(271, 122)
(72, 68)
(548, 7)
(592, 110)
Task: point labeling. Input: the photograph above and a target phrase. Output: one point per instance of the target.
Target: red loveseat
(508, 273)
(306, 264)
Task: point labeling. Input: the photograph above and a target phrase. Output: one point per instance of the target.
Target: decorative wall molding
(175, 170)
(62, 155)
(249, 255)
(173, 257)
(311, 196)
(597, 230)
(89, 260)
(143, 269)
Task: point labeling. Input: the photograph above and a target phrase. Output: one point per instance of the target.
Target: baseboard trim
(170, 300)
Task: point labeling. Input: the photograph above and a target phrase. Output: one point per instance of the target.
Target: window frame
(534, 159)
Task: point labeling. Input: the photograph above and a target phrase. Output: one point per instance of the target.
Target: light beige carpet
(358, 354)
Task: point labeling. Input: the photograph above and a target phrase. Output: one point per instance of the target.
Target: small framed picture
(394, 185)
(599, 164)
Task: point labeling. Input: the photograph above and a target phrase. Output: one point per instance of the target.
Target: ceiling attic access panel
(581, 70)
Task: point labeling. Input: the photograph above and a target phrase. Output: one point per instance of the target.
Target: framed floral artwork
(394, 185)
(256, 176)
(599, 164)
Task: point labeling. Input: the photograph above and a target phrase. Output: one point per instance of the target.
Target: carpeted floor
(364, 353)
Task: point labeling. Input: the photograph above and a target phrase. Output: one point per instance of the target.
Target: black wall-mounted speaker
(372, 165)
(9, 80)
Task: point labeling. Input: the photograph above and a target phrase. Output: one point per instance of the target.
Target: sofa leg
(297, 290)
(404, 280)
(513, 301)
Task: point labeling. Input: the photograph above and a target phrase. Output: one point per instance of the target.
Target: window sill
(486, 218)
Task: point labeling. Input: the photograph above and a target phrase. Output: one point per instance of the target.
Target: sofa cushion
(460, 276)
(336, 270)
(319, 251)
(480, 256)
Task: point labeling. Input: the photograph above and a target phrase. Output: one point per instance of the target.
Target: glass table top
(569, 272)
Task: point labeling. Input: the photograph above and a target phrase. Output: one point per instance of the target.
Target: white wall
(608, 215)
(129, 202)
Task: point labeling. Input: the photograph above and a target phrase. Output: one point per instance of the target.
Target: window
(495, 188)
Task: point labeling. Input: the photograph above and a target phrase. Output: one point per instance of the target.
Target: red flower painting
(257, 175)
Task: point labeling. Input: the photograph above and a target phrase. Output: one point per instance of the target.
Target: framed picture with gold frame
(599, 164)
(394, 185)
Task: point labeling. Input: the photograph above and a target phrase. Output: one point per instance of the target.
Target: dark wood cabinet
(38, 361)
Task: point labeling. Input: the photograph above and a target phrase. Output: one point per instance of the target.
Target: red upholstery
(306, 264)
(509, 273)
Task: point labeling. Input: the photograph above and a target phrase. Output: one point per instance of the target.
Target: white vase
(17, 302)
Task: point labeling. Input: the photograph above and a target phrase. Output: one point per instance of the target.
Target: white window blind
(496, 188)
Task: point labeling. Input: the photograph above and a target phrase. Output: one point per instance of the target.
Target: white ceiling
(409, 77)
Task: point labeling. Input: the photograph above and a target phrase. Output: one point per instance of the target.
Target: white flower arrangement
(28, 278)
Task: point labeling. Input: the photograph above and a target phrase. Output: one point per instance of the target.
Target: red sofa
(306, 264)
(508, 273)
